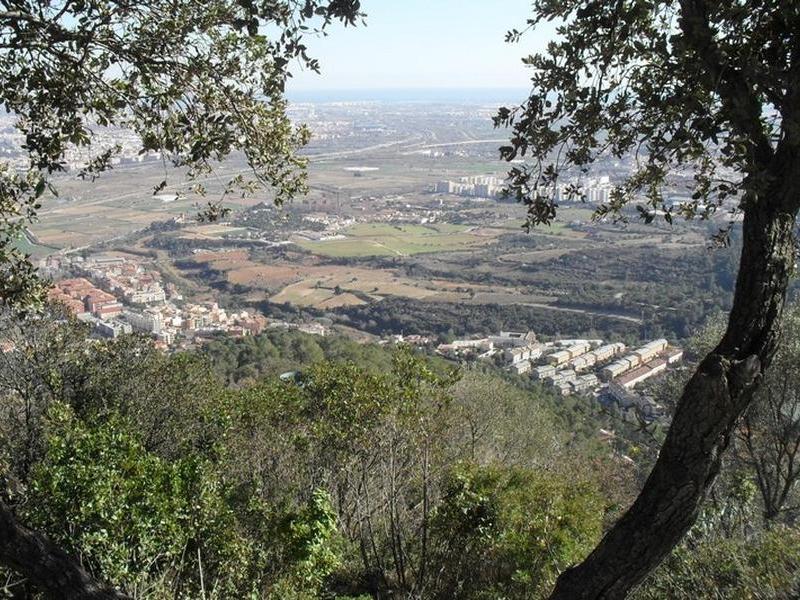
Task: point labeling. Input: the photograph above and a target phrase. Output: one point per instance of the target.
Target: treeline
(271, 219)
(398, 481)
(454, 319)
(392, 478)
(244, 360)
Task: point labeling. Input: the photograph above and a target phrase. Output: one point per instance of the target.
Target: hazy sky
(425, 43)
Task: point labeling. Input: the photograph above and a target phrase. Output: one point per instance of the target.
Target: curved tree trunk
(712, 402)
(45, 565)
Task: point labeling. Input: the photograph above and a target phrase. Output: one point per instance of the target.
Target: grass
(23, 245)
(303, 294)
(384, 239)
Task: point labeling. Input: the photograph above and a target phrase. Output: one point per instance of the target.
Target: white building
(150, 321)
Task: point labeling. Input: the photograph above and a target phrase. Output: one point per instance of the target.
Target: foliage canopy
(195, 80)
(687, 87)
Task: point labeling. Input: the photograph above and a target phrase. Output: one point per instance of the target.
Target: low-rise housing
(149, 321)
(510, 339)
(559, 358)
(543, 371)
(585, 383)
(673, 355)
(310, 328)
(646, 371)
(521, 367)
(634, 359)
(460, 348)
(109, 328)
(114, 283)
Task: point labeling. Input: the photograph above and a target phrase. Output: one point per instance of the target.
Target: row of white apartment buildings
(621, 388)
(586, 371)
(596, 190)
(572, 366)
(640, 357)
(517, 349)
(567, 369)
(480, 186)
(567, 381)
(578, 356)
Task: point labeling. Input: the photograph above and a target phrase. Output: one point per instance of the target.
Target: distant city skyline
(424, 44)
(448, 95)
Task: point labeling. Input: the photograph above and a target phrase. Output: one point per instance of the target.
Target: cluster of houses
(128, 279)
(80, 295)
(609, 371)
(118, 295)
(517, 349)
(566, 368)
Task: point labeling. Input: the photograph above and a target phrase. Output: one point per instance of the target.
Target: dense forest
(452, 319)
(371, 472)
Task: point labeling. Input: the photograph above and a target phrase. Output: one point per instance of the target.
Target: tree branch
(45, 565)
(742, 106)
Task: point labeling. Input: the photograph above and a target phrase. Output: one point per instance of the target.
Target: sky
(425, 44)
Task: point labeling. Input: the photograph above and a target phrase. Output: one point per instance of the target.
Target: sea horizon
(454, 95)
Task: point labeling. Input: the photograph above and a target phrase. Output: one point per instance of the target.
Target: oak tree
(195, 80)
(702, 88)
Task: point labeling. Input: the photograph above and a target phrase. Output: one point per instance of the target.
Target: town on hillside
(118, 295)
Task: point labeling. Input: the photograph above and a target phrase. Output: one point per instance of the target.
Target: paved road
(582, 311)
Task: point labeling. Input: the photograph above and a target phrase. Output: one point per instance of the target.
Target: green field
(384, 239)
(26, 247)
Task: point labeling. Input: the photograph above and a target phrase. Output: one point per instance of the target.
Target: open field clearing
(319, 284)
(210, 232)
(237, 268)
(223, 259)
(383, 239)
(302, 294)
(558, 229)
(120, 202)
(263, 277)
(328, 286)
(309, 284)
(27, 245)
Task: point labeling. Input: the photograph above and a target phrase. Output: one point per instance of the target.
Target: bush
(764, 566)
(507, 533)
(134, 518)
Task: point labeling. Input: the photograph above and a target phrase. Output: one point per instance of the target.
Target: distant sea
(411, 95)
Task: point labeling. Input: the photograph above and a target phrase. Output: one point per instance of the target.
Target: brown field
(535, 256)
(223, 260)
(263, 276)
(239, 269)
(318, 283)
(341, 300)
(312, 284)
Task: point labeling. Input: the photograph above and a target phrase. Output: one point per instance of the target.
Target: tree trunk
(45, 565)
(711, 404)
